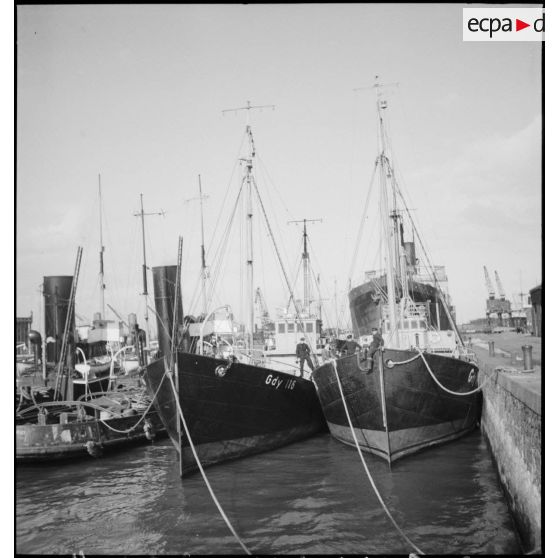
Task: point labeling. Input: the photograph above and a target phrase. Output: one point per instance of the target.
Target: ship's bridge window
(281, 328)
(290, 327)
(300, 327)
(309, 327)
(414, 324)
(422, 324)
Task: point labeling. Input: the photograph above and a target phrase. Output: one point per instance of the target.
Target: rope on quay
(378, 495)
(206, 480)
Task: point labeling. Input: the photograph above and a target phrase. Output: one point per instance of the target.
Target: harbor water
(312, 497)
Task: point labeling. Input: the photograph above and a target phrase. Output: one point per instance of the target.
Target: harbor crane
(498, 310)
(262, 306)
(489, 287)
(500, 288)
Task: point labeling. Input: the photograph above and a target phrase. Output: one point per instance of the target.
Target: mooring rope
(405, 361)
(142, 416)
(478, 388)
(378, 495)
(206, 480)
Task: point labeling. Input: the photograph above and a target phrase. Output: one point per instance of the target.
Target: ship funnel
(164, 281)
(132, 321)
(56, 292)
(410, 255)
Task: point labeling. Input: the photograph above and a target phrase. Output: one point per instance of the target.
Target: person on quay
(303, 355)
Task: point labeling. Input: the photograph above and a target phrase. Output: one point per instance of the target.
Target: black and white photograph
(279, 279)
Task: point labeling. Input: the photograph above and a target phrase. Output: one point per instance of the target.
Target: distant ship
(419, 388)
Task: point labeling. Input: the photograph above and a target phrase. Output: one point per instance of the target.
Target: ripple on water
(310, 497)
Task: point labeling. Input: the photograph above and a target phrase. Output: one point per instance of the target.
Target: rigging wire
(234, 169)
(362, 220)
(298, 317)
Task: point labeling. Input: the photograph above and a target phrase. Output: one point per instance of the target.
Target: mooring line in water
(378, 495)
(206, 480)
(478, 388)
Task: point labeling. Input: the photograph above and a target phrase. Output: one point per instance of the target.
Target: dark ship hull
(404, 413)
(59, 440)
(246, 411)
(365, 304)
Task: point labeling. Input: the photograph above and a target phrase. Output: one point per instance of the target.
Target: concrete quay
(511, 423)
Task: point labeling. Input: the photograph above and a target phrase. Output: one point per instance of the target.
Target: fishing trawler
(227, 404)
(417, 385)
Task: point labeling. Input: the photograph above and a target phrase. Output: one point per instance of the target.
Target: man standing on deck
(303, 355)
(351, 345)
(377, 342)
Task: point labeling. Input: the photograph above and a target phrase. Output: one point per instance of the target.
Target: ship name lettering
(275, 382)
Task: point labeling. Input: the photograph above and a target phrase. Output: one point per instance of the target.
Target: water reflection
(312, 497)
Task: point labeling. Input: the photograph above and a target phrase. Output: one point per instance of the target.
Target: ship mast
(248, 180)
(388, 231)
(102, 249)
(204, 273)
(250, 240)
(143, 214)
(306, 263)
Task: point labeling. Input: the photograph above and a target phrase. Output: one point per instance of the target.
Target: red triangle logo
(519, 25)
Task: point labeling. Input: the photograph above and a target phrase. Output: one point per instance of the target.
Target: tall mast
(388, 231)
(306, 262)
(250, 240)
(249, 218)
(204, 273)
(102, 249)
(142, 214)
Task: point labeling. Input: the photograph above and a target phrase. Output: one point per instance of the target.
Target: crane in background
(500, 288)
(489, 287)
(262, 308)
(498, 311)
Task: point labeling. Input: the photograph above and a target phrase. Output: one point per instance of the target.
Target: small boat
(95, 367)
(218, 409)
(414, 383)
(83, 411)
(55, 430)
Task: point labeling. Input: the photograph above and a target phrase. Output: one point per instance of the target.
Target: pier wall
(511, 422)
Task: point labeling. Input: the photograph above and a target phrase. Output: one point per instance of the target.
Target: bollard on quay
(491, 351)
(527, 357)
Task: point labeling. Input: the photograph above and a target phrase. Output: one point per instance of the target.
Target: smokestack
(56, 292)
(410, 255)
(164, 281)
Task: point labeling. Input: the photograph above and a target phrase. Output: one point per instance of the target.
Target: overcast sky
(136, 93)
